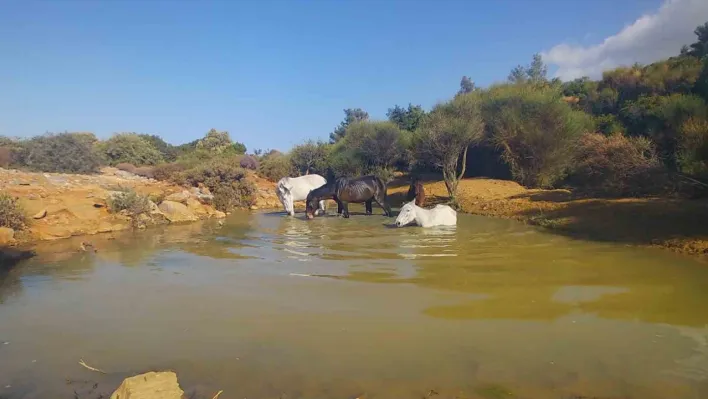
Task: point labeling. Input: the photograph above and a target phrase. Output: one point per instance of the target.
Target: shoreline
(75, 207)
(668, 223)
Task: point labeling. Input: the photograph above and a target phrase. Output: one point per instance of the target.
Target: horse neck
(422, 216)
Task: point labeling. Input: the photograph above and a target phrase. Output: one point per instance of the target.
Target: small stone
(254, 208)
(41, 214)
(33, 196)
(219, 214)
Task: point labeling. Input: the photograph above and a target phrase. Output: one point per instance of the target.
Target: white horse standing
(290, 189)
(440, 215)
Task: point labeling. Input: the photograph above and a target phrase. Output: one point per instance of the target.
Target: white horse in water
(440, 215)
(290, 189)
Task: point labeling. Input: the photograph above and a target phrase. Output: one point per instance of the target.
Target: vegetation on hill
(638, 130)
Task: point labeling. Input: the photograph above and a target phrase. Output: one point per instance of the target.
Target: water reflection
(265, 305)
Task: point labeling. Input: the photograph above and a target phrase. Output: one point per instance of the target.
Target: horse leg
(381, 201)
(345, 208)
(340, 207)
(323, 207)
(369, 209)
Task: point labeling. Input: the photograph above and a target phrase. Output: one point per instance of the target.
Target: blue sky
(272, 73)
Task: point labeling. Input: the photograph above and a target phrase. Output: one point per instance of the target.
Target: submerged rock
(152, 385)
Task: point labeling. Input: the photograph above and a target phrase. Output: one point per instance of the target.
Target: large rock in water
(152, 385)
(176, 212)
(182, 197)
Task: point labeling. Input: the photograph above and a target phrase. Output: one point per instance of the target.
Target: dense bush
(249, 162)
(65, 153)
(276, 166)
(129, 148)
(374, 145)
(11, 213)
(130, 201)
(226, 181)
(126, 167)
(167, 171)
(693, 148)
(535, 130)
(616, 165)
(310, 157)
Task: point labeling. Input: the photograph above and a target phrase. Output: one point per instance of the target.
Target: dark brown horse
(416, 191)
(367, 189)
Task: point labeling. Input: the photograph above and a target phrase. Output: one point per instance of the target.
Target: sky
(275, 73)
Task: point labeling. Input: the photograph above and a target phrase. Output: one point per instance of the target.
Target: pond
(269, 306)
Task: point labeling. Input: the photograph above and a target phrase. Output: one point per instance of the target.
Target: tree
(214, 141)
(446, 135)
(310, 157)
(239, 148)
(536, 131)
(406, 119)
(64, 153)
(700, 47)
(351, 115)
(466, 85)
(517, 75)
(168, 151)
(535, 73)
(537, 70)
(129, 148)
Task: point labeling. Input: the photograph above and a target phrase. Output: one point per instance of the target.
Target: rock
(182, 197)
(33, 196)
(177, 212)
(197, 207)
(205, 198)
(219, 214)
(99, 204)
(41, 214)
(152, 385)
(7, 236)
(254, 208)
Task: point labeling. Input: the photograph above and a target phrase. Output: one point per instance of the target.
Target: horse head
(407, 214)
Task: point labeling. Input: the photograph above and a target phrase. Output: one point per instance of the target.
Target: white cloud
(648, 39)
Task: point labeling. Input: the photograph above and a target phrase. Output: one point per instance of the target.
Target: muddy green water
(268, 306)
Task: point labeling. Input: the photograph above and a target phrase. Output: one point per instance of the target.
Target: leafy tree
(466, 85)
(693, 147)
(406, 119)
(351, 115)
(536, 131)
(376, 145)
(168, 151)
(536, 71)
(239, 147)
(310, 157)
(215, 141)
(64, 153)
(275, 166)
(445, 136)
(517, 75)
(700, 47)
(129, 148)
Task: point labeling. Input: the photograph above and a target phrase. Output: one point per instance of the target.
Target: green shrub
(311, 157)
(129, 148)
(226, 181)
(616, 165)
(536, 131)
(64, 153)
(276, 166)
(11, 213)
(373, 145)
(693, 148)
(168, 151)
(130, 201)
